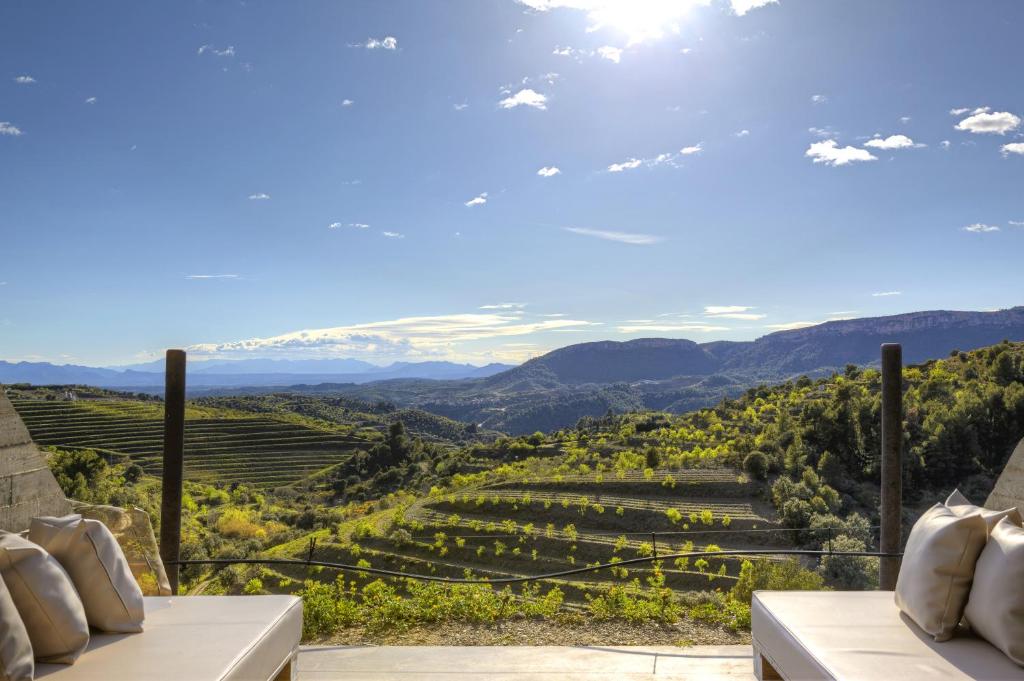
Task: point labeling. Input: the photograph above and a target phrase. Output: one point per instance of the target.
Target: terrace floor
(525, 663)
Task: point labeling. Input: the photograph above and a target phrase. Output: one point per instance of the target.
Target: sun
(641, 20)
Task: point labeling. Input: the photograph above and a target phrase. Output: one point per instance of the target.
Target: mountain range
(587, 379)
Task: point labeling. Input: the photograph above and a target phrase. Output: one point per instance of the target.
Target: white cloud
(830, 153)
(621, 237)
(1017, 223)
(549, 171)
(981, 228)
(9, 129)
(741, 133)
(24, 80)
(1013, 148)
(625, 165)
(613, 54)
(353, 225)
(741, 7)
(791, 326)
(563, 51)
(992, 123)
(944, 144)
(259, 197)
(886, 294)
(670, 328)
(827, 131)
(440, 336)
(212, 276)
(725, 309)
(90, 100)
(905, 119)
(891, 142)
(393, 235)
(695, 149)
(347, 102)
(819, 99)
(460, 107)
(961, 112)
(503, 306)
(525, 97)
(228, 51)
(386, 43)
(478, 200)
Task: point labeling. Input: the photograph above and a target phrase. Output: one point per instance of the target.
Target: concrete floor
(524, 663)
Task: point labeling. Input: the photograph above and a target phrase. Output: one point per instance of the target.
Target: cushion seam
(949, 589)
(120, 598)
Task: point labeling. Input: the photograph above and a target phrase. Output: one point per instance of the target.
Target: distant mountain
(233, 373)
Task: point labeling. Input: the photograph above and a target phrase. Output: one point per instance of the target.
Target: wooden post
(892, 466)
(174, 455)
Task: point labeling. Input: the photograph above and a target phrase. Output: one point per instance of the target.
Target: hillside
(589, 379)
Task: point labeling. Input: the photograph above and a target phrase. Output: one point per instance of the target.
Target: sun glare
(640, 20)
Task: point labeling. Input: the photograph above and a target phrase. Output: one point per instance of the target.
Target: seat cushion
(863, 635)
(201, 638)
(88, 551)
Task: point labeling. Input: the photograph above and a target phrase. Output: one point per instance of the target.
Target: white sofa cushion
(861, 635)
(97, 566)
(199, 638)
(960, 506)
(45, 598)
(16, 663)
(995, 607)
(938, 567)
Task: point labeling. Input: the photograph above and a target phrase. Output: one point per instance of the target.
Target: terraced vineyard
(220, 445)
(548, 524)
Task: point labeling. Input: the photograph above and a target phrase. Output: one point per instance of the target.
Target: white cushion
(16, 663)
(937, 568)
(97, 566)
(861, 635)
(199, 638)
(45, 598)
(958, 503)
(995, 607)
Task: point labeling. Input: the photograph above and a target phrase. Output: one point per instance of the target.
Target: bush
(755, 465)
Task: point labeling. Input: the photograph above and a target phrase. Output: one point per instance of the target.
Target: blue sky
(488, 179)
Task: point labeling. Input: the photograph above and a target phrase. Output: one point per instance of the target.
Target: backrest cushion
(958, 503)
(16, 663)
(45, 598)
(995, 607)
(98, 569)
(938, 567)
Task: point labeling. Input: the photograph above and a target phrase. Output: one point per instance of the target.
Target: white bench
(860, 635)
(196, 638)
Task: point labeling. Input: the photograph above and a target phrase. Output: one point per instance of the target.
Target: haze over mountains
(556, 389)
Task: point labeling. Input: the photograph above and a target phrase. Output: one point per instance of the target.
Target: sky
(486, 180)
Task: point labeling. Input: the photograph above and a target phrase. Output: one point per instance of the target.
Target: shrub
(755, 465)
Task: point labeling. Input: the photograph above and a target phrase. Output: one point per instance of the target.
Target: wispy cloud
(347, 102)
(982, 121)
(830, 153)
(549, 171)
(9, 129)
(525, 97)
(503, 306)
(385, 43)
(741, 7)
(613, 54)
(740, 312)
(790, 326)
(90, 100)
(393, 235)
(670, 328)
(741, 133)
(622, 237)
(259, 197)
(408, 337)
(819, 99)
(228, 51)
(24, 80)
(827, 131)
(462, 106)
(671, 159)
(353, 225)
(980, 228)
(478, 200)
(212, 276)
(886, 294)
(892, 142)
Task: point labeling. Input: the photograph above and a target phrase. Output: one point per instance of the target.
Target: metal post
(174, 455)
(892, 468)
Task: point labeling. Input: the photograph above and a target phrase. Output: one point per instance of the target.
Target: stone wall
(27, 488)
(1009, 489)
